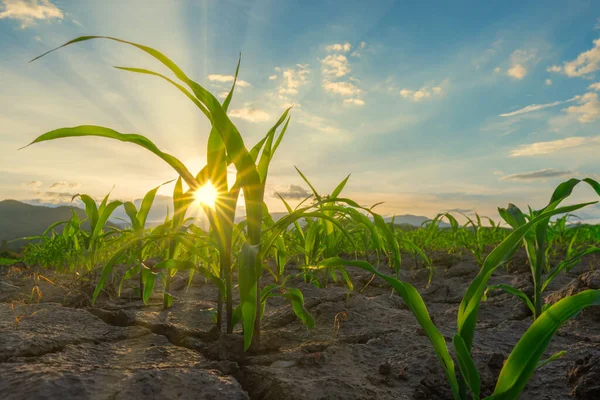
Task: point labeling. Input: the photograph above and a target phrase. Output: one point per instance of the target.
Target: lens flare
(206, 195)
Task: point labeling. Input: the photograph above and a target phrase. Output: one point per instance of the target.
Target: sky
(431, 106)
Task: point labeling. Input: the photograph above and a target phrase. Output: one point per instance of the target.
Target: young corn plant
(526, 355)
(97, 215)
(137, 229)
(536, 245)
(225, 145)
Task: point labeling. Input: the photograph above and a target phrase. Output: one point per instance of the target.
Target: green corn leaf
(130, 273)
(146, 205)
(248, 289)
(524, 358)
(181, 88)
(92, 130)
(177, 265)
(91, 209)
(469, 306)
(415, 303)
(105, 213)
(132, 212)
(316, 194)
(467, 366)
(568, 264)
(515, 292)
(336, 192)
(297, 300)
(268, 150)
(553, 357)
(149, 279)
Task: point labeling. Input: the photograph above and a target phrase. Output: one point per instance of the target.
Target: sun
(206, 195)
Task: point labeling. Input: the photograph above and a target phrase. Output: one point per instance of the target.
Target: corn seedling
(536, 244)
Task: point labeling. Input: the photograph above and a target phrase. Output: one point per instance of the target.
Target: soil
(365, 345)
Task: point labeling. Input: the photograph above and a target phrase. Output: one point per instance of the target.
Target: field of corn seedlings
(331, 301)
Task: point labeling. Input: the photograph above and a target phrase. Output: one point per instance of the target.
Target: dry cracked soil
(366, 344)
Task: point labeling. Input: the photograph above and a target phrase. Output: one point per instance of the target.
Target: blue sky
(430, 107)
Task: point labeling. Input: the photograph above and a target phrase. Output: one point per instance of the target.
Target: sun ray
(207, 195)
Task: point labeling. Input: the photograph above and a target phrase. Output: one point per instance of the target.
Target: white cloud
(554, 68)
(34, 184)
(272, 77)
(293, 79)
(422, 93)
(519, 61)
(355, 102)
(497, 70)
(335, 65)
(536, 107)
(517, 71)
(589, 108)
(250, 113)
(277, 69)
(339, 47)
(358, 52)
(65, 185)
(541, 174)
(227, 78)
(583, 65)
(538, 148)
(595, 87)
(548, 82)
(28, 11)
(341, 88)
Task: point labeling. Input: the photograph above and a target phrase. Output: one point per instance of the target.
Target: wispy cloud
(354, 102)
(539, 148)
(583, 65)
(33, 184)
(293, 79)
(422, 93)
(588, 110)
(28, 11)
(250, 113)
(358, 52)
(346, 47)
(541, 174)
(226, 79)
(536, 107)
(335, 65)
(341, 88)
(520, 60)
(65, 185)
(295, 192)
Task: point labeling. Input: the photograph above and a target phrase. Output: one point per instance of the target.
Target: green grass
(7, 261)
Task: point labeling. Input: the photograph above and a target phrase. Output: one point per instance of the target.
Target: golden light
(206, 195)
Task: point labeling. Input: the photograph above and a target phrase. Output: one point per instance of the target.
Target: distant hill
(413, 220)
(19, 220)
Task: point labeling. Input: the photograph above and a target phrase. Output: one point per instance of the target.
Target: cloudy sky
(452, 106)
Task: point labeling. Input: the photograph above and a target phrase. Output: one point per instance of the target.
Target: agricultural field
(328, 301)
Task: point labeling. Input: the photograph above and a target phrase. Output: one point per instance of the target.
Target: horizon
(491, 106)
